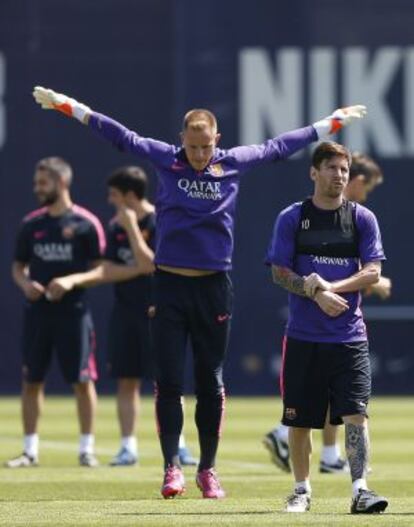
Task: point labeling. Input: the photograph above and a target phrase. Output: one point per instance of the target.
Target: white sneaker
(88, 460)
(299, 501)
(24, 460)
(278, 450)
(368, 502)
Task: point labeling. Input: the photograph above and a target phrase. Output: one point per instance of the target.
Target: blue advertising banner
(263, 69)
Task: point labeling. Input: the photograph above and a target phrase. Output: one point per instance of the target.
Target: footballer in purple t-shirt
(195, 204)
(324, 251)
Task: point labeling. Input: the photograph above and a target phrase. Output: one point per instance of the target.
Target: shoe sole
(171, 493)
(209, 497)
(376, 508)
(298, 512)
(122, 464)
(267, 443)
(32, 465)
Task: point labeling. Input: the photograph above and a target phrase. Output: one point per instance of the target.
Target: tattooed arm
(330, 303)
(289, 280)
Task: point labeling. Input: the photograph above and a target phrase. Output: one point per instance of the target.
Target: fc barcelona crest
(290, 413)
(216, 170)
(68, 232)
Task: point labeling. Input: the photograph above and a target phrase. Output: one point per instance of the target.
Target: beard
(48, 199)
(335, 191)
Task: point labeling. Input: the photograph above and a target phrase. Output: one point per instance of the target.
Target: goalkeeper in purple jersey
(195, 205)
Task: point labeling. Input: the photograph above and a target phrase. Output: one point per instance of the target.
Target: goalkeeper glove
(50, 100)
(339, 118)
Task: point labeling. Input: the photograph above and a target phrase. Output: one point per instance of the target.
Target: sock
(31, 445)
(181, 442)
(282, 432)
(130, 443)
(358, 484)
(169, 447)
(86, 444)
(331, 454)
(303, 486)
(208, 451)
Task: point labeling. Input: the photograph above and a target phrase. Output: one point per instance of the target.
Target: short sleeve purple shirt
(306, 321)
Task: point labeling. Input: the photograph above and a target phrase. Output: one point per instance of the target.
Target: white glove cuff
(79, 111)
(323, 127)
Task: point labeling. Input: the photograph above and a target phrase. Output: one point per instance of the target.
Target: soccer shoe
(339, 467)
(207, 481)
(23, 460)
(185, 457)
(367, 502)
(278, 450)
(124, 458)
(88, 460)
(299, 501)
(174, 483)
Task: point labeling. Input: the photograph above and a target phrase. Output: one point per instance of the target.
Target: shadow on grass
(218, 513)
(238, 513)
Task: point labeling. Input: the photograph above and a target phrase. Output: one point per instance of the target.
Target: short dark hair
(129, 179)
(198, 118)
(328, 150)
(365, 166)
(57, 168)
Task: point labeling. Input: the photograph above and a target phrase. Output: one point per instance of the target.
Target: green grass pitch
(61, 493)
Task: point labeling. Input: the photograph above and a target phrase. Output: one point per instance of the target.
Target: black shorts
(69, 332)
(129, 345)
(317, 375)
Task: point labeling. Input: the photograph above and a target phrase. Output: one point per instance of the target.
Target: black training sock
(208, 451)
(169, 447)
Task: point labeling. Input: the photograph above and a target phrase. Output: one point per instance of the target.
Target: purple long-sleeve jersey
(195, 210)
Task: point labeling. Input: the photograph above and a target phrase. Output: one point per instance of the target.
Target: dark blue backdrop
(262, 70)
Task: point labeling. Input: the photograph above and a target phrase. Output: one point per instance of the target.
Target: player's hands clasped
(33, 291)
(58, 287)
(313, 282)
(331, 303)
(51, 100)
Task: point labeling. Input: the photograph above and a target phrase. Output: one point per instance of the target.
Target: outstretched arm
(287, 144)
(157, 152)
